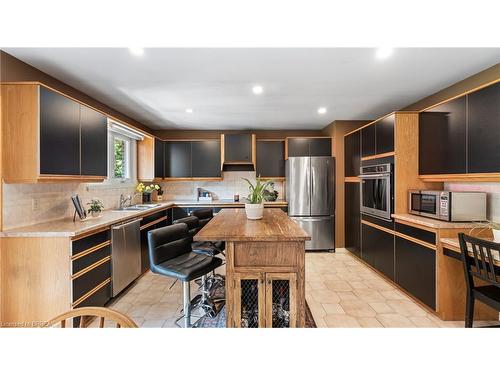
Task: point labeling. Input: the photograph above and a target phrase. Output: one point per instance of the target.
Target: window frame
(130, 159)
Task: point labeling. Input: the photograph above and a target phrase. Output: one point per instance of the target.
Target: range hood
(238, 166)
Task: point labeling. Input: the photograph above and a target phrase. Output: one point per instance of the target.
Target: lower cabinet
(378, 249)
(91, 271)
(416, 270)
(265, 300)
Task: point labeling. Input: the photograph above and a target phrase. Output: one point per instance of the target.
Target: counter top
(433, 223)
(454, 245)
(67, 228)
(233, 225)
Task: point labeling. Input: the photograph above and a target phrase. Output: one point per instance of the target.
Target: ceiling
(352, 83)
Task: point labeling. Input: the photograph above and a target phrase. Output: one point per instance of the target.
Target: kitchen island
(265, 267)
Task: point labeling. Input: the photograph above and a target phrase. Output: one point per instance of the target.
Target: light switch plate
(35, 204)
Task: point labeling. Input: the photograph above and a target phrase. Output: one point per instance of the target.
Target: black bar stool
(171, 255)
(204, 215)
(481, 265)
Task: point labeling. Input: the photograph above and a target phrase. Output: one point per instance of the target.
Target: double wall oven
(376, 190)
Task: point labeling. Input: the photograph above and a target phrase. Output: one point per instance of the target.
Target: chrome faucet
(126, 198)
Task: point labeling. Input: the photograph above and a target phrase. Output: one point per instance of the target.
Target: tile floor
(340, 291)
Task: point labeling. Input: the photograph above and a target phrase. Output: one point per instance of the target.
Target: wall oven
(376, 190)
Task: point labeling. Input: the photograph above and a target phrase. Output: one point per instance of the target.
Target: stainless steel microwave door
(298, 192)
(322, 186)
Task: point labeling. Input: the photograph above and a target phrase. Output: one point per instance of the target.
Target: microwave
(448, 205)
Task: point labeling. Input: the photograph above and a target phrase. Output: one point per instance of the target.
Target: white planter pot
(254, 211)
(496, 235)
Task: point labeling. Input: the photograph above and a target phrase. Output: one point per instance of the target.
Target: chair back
(167, 243)
(482, 262)
(192, 222)
(86, 313)
(204, 215)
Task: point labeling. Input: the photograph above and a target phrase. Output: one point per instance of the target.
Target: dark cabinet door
(271, 158)
(416, 270)
(384, 137)
(352, 218)
(378, 249)
(320, 147)
(484, 130)
(368, 141)
(206, 158)
(298, 147)
(442, 138)
(59, 134)
(238, 147)
(177, 159)
(94, 142)
(352, 150)
(159, 158)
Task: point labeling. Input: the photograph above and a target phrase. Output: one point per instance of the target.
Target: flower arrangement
(146, 191)
(141, 188)
(96, 207)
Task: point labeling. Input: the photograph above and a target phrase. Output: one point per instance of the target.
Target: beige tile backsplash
(54, 199)
(231, 184)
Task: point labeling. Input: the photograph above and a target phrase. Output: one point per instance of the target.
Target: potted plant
(146, 191)
(160, 193)
(495, 228)
(96, 207)
(255, 208)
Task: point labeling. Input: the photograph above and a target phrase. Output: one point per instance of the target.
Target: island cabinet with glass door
(264, 268)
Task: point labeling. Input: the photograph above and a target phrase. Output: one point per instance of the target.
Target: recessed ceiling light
(136, 51)
(189, 110)
(383, 52)
(322, 110)
(257, 90)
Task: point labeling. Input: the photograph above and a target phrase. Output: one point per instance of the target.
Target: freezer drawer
(321, 230)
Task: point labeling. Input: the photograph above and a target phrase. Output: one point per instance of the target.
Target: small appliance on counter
(204, 196)
(448, 205)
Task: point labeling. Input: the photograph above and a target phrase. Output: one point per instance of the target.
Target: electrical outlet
(35, 204)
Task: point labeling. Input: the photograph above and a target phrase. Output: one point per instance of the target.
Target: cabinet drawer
(88, 242)
(420, 234)
(265, 254)
(91, 279)
(150, 218)
(99, 298)
(91, 258)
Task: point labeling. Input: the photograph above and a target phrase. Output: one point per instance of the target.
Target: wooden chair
(481, 265)
(86, 313)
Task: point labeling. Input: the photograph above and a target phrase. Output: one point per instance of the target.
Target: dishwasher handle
(118, 227)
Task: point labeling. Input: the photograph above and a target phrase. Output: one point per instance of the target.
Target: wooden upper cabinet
(484, 130)
(59, 134)
(238, 148)
(270, 158)
(309, 146)
(384, 135)
(442, 138)
(368, 141)
(205, 159)
(48, 136)
(94, 142)
(352, 154)
(159, 159)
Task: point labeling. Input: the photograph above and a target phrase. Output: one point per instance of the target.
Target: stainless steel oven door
(375, 195)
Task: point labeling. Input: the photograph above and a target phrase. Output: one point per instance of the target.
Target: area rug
(220, 320)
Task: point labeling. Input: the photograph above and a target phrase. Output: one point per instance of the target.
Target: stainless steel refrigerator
(310, 193)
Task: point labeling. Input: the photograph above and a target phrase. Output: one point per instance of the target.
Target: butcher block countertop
(233, 225)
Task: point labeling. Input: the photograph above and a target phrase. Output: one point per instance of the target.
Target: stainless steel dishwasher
(125, 254)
